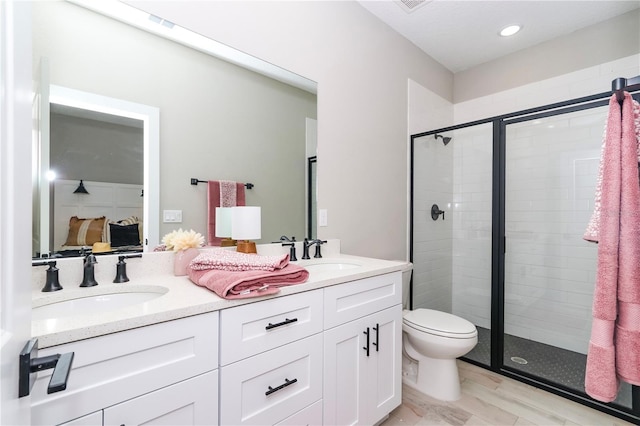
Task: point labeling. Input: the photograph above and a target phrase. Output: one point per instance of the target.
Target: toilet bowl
(432, 340)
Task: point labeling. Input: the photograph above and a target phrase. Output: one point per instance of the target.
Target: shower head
(445, 140)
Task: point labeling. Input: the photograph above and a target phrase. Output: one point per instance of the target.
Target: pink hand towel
(243, 284)
(220, 193)
(229, 260)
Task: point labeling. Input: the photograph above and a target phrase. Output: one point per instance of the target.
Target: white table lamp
(246, 224)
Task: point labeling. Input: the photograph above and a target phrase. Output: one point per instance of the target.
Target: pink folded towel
(229, 260)
(243, 284)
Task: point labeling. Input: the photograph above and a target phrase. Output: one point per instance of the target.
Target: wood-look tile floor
(492, 399)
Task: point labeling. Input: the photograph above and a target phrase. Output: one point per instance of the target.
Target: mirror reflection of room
(105, 153)
(218, 121)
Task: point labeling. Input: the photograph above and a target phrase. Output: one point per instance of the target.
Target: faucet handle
(318, 243)
(121, 268)
(52, 283)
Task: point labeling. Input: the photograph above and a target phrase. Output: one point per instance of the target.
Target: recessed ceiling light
(510, 30)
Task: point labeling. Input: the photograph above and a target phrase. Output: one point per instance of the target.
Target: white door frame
(16, 95)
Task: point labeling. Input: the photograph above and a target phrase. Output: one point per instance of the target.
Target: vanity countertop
(181, 298)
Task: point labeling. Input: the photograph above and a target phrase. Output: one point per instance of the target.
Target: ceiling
(462, 34)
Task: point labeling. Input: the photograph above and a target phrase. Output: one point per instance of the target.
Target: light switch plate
(322, 217)
(172, 216)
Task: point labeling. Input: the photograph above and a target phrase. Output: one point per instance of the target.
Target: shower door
(551, 168)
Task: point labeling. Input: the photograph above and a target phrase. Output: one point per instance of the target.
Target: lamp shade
(223, 222)
(246, 223)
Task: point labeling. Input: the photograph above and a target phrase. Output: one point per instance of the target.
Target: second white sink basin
(321, 267)
(95, 304)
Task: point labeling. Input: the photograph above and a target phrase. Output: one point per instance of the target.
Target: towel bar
(195, 181)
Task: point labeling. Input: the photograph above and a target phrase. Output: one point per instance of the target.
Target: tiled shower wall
(551, 173)
(548, 295)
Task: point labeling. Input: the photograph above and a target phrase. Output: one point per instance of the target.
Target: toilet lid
(438, 322)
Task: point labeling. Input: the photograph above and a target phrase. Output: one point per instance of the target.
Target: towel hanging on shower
(614, 347)
(591, 233)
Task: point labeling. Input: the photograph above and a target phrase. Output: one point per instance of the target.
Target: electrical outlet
(322, 217)
(172, 216)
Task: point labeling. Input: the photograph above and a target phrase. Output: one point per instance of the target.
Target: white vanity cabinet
(135, 375)
(326, 356)
(271, 361)
(362, 350)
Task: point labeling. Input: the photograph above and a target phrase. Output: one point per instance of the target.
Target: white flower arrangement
(182, 240)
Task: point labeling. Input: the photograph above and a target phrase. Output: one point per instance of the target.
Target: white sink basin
(95, 304)
(322, 267)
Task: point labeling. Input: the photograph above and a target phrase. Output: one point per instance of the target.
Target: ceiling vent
(411, 6)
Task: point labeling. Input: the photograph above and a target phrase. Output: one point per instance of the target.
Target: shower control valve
(436, 212)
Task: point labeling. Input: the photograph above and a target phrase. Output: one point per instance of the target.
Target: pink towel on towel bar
(614, 347)
(230, 260)
(243, 284)
(221, 193)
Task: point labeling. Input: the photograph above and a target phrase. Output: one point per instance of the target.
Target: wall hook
(436, 212)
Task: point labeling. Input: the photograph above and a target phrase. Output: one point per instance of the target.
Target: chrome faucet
(308, 243)
(88, 277)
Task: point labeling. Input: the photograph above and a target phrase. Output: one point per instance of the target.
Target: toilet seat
(440, 324)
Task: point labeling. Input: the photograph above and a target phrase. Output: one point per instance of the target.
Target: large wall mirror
(215, 121)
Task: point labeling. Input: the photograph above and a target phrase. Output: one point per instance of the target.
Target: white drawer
(349, 301)
(258, 327)
(113, 368)
(191, 402)
(310, 416)
(254, 391)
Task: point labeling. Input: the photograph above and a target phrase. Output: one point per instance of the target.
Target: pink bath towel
(230, 260)
(221, 193)
(243, 284)
(614, 347)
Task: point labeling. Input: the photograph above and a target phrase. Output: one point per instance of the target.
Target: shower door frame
(498, 246)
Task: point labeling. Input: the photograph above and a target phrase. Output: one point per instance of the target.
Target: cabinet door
(362, 386)
(344, 369)
(191, 402)
(384, 365)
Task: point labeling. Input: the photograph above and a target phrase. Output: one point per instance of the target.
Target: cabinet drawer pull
(286, 383)
(366, 348)
(377, 337)
(285, 322)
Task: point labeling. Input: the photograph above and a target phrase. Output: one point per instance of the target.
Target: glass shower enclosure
(507, 253)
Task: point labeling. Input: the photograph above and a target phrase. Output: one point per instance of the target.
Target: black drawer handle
(279, 324)
(377, 329)
(366, 348)
(286, 383)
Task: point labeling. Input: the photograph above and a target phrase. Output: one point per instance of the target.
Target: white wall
(361, 67)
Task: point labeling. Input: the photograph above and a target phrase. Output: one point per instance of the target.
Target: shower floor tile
(556, 365)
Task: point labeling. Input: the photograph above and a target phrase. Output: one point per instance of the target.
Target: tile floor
(492, 399)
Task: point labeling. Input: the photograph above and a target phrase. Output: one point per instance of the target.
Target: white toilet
(431, 341)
